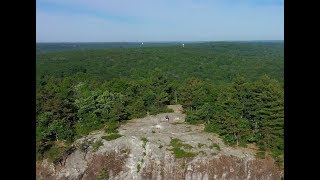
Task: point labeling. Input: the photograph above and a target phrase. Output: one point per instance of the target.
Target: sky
(158, 20)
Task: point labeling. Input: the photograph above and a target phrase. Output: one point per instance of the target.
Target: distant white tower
(182, 45)
(142, 43)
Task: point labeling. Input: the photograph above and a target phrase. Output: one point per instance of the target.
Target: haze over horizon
(159, 21)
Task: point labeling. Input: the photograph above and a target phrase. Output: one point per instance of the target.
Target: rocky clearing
(144, 152)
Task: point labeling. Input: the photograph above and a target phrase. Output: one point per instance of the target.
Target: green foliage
(54, 153)
(180, 153)
(215, 145)
(103, 175)
(137, 109)
(235, 89)
(106, 106)
(279, 160)
(261, 154)
(87, 124)
(200, 145)
(61, 131)
(96, 145)
(250, 112)
(111, 137)
(138, 167)
(85, 145)
(111, 127)
(269, 94)
(212, 126)
(217, 61)
(177, 144)
(144, 142)
(70, 107)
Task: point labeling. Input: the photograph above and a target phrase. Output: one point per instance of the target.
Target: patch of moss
(200, 145)
(215, 145)
(111, 137)
(145, 140)
(177, 143)
(138, 167)
(103, 175)
(180, 153)
(261, 154)
(96, 145)
(177, 151)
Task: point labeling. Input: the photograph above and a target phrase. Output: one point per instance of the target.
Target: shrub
(87, 124)
(159, 109)
(111, 127)
(54, 153)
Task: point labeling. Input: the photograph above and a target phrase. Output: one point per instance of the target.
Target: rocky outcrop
(144, 152)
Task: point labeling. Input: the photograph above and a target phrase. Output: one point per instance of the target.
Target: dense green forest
(234, 88)
(219, 62)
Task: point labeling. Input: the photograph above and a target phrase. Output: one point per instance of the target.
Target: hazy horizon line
(152, 41)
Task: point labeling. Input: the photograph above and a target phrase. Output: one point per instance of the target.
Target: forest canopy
(234, 88)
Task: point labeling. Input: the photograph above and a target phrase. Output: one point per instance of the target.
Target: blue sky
(158, 20)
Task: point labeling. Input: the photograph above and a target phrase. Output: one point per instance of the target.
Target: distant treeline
(218, 62)
(56, 47)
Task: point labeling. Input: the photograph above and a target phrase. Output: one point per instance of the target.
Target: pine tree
(269, 97)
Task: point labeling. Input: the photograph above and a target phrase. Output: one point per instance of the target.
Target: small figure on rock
(167, 118)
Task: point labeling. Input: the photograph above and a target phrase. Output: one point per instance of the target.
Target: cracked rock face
(143, 152)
